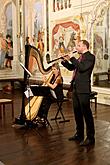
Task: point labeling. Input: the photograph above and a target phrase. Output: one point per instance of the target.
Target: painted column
(29, 21)
(21, 29)
(14, 32)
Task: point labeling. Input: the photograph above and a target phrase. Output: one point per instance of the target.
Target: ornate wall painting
(98, 51)
(47, 25)
(64, 37)
(26, 20)
(9, 19)
(39, 26)
(101, 63)
(100, 33)
(82, 21)
(38, 33)
(3, 45)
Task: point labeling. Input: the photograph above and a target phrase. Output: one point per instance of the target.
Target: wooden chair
(3, 103)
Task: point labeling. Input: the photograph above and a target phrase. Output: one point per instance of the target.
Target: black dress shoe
(87, 142)
(76, 138)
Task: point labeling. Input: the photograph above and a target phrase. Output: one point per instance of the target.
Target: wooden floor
(18, 147)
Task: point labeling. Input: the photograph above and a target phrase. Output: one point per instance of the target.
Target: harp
(32, 56)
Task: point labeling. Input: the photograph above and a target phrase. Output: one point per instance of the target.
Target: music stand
(41, 91)
(28, 86)
(29, 123)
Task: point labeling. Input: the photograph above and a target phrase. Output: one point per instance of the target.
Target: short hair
(85, 42)
(8, 36)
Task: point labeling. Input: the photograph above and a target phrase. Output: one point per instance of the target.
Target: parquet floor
(53, 148)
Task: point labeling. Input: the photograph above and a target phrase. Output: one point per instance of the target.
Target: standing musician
(81, 88)
(55, 84)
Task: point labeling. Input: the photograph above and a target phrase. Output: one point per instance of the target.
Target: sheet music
(28, 93)
(34, 85)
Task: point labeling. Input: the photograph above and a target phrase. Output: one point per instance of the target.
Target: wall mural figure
(9, 19)
(62, 47)
(98, 51)
(9, 52)
(39, 26)
(64, 38)
(4, 48)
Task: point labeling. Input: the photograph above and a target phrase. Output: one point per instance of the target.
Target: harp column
(21, 29)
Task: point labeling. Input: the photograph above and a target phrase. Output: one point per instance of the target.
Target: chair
(93, 96)
(59, 110)
(3, 103)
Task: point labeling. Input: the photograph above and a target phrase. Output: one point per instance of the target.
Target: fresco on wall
(9, 19)
(38, 34)
(99, 50)
(39, 26)
(64, 38)
(6, 46)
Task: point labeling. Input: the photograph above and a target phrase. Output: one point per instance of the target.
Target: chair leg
(95, 102)
(64, 120)
(56, 118)
(12, 110)
(0, 111)
(60, 111)
(4, 110)
(49, 124)
(96, 105)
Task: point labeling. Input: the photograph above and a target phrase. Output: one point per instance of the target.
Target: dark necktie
(75, 71)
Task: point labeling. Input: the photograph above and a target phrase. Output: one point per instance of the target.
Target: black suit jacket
(82, 79)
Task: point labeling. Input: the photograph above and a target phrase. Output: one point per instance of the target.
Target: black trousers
(82, 111)
(45, 106)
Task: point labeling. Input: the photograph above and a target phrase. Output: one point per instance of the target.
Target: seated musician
(56, 85)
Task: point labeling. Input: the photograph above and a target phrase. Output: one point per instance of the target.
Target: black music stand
(29, 123)
(40, 90)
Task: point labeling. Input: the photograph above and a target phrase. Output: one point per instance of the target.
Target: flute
(56, 59)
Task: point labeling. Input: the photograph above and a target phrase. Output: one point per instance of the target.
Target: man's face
(80, 47)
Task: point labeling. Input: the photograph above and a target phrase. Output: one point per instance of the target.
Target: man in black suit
(81, 88)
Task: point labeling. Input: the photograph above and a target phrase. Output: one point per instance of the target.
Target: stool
(59, 110)
(3, 102)
(93, 96)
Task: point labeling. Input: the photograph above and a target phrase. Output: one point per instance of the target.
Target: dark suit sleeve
(69, 65)
(86, 63)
